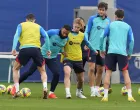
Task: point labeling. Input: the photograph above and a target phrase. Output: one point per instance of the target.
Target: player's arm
(88, 44)
(89, 26)
(16, 38)
(47, 42)
(130, 42)
(103, 38)
(62, 49)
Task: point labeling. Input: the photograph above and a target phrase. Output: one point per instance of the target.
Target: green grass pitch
(35, 102)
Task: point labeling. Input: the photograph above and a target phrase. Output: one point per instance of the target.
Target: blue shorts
(76, 65)
(97, 59)
(53, 64)
(112, 59)
(33, 53)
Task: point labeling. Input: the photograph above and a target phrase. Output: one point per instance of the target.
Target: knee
(91, 70)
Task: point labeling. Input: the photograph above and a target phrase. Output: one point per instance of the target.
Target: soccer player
(58, 39)
(119, 34)
(28, 34)
(94, 30)
(73, 58)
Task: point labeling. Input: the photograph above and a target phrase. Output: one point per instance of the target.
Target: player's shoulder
(120, 23)
(93, 16)
(108, 19)
(81, 33)
(53, 31)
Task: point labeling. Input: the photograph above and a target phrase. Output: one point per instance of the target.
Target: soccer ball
(2, 89)
(9, 88)
(124, 91)
(139, 91)
(25, 92)
(101, 91)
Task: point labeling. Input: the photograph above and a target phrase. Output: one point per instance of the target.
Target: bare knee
(91, 70)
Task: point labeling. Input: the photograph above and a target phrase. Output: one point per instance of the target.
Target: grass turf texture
(35, 102)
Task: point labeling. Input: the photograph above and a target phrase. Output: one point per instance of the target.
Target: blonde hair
(79, 21)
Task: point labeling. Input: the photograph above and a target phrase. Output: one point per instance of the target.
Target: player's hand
(48, 53)
(65, 54)
(85, 47)
(14, 52)
(96, 52)
(102, 54)
(129, 57)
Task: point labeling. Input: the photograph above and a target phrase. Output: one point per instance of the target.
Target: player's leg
(110, 65)
(91, 73)
(21, 59)
(79, 70)
(54, 66)
(67, 72)
(15, 88)
(40, 62)
(123, 66)
(99, 72)
(84, 59)
(28, 73)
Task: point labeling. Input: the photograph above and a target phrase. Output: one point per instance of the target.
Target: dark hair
(81, 18)
(103, 5)
(30, 16)
(119, 13)
(67, 27)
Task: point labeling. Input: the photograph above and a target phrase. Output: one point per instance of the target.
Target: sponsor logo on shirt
(71, 43)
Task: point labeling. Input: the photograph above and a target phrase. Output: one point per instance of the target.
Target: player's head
(77, 24)
(83, 24)
(119, 14)
(65, 30)
(30, 17)
(102, 8)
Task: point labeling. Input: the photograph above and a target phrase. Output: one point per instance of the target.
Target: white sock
(129, 93)
(97, 88)
(92, 88)
(105, 93)
(45, 86)
(50, 92)
(79, 90)
(67, 90)
(17, 87)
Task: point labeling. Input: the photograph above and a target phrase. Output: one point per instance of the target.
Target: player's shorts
(85, 59)
(33, 53)
(53, 64)
(112, 59)
(76, 65)
(97, 59)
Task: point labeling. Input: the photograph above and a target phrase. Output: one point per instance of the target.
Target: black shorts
(112, 59)
(76, 65)
(97, 59)
(33, 53)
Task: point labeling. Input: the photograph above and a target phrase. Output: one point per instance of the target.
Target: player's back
(118, 36)
(30, 34)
